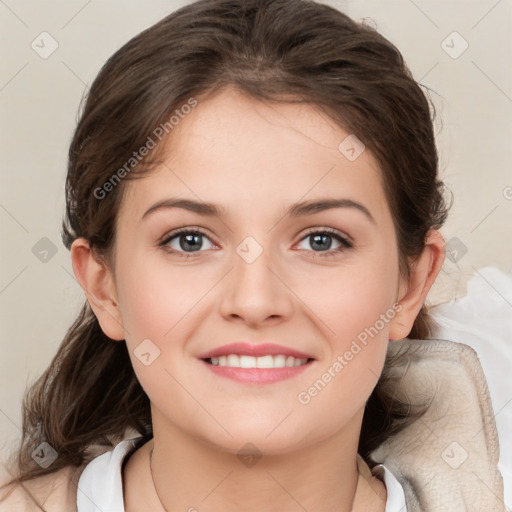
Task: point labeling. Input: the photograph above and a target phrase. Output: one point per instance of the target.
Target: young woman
(253, 206)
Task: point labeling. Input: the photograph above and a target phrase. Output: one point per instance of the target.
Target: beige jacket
(446, 461)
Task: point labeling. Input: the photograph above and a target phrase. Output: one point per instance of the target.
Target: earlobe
(423, 274)
(98, 284)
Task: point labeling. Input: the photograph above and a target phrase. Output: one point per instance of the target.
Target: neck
(190, 475)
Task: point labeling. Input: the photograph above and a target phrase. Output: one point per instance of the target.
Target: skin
(255, 160)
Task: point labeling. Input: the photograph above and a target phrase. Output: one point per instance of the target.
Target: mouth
(261, 363)
(265, 362)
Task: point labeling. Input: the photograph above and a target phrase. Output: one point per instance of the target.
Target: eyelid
(331, 231)
(188, 229)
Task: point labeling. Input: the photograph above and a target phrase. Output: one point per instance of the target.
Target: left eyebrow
(311, 207)
(301, 209)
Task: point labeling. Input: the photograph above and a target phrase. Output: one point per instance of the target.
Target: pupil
(190, 241)
(321, 239)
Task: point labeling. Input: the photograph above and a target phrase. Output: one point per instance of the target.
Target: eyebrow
(301, 209)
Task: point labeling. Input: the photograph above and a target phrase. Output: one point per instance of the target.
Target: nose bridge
(254, 291)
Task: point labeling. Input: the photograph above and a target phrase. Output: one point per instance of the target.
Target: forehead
(235, 150)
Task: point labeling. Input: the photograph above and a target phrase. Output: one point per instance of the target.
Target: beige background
(39, 100)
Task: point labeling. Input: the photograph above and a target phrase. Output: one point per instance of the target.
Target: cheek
(355, 313)
(159, 307)
(156, 304)
(155, 298)
(365, 306)
(355, 305)
(342, 386)
(353, 298)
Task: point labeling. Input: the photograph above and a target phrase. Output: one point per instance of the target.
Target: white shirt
(100, 488)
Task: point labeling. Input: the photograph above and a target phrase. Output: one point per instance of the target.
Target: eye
(185, 240)
(322, 240)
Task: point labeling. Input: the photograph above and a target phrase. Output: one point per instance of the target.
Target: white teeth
(245, 361)
(265, 362)
(278, 361)
(233, 360)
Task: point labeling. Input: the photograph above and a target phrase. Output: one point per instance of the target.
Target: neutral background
(39, 100)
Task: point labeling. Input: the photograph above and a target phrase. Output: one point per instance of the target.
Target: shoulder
(457, 429)
(101, 482)
(55, 492)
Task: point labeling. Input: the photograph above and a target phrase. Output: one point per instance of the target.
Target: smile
(267, 361)
(260, 363)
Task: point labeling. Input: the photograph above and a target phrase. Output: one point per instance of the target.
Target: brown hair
(273, 50)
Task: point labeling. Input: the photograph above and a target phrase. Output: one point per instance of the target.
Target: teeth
(245, 361)
(278, 361)
(264, 362)
(233, 360)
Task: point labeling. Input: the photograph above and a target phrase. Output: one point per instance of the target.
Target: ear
(413, 292)
(98, 284)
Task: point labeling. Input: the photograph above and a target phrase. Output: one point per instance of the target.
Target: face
(318, 283)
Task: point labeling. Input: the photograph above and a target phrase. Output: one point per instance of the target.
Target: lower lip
(257, 375)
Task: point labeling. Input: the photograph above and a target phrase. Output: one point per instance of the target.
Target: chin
(249, 439)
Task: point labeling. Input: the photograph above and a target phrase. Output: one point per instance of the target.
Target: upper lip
(256, 350)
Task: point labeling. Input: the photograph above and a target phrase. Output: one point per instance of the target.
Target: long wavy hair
(274, 50)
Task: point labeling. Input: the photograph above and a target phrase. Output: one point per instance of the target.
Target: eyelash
(345, 242)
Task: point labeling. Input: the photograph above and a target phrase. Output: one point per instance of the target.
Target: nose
(255, 291)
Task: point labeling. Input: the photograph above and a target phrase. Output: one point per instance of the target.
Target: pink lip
(261, 349)
(257, 375)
